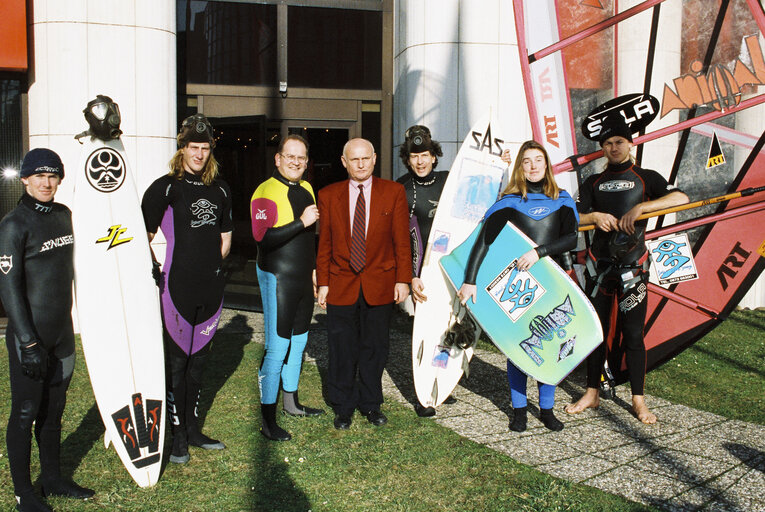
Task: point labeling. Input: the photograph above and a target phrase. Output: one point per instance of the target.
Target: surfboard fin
(465, 365)
(107, 439)
(419, 352)
(434, 393)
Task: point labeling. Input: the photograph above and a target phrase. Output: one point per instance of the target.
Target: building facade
(260, 69)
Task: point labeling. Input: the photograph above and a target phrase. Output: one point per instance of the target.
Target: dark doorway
(240, 148)
(325, 148)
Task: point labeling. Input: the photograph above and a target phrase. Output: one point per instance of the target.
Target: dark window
(334, 48)
(226, 43)
(10, 144)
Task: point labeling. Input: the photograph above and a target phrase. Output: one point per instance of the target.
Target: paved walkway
(689, 460)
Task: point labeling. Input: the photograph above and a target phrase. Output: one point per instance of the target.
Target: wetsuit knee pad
(196, 366)
(27, 414)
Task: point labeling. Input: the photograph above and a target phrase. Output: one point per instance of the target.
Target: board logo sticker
(105, 170)
(440, 242)
(143, 433)
(6, 263)
(716, 156)
(515, 291)
(476, 190)
(440, 357)
(545, 328)
(113, 237)
(672, 259)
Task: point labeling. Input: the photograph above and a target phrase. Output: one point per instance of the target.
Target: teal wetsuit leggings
(283, 357)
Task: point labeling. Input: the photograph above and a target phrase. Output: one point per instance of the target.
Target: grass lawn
(722, 373)
(363, 469)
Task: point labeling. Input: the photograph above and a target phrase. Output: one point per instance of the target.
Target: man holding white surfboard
(192, 206)
(618, 260)
(36, 247)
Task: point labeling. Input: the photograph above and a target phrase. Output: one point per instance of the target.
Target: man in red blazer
(359, 280)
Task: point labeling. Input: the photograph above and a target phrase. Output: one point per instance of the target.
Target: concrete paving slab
(535, 450)
(638, 485)
(578, 469)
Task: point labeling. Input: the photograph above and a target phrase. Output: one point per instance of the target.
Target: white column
(455, 60)
(122, 49)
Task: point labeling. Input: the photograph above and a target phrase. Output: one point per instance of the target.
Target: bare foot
(590, 400)
(641, 410)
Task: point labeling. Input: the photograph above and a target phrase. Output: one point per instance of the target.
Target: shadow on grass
(225, 357)
(79, 442)
(274, 488)
(317, 349)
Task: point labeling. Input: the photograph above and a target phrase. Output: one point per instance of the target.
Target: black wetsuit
(192, 217)
(618, 275)
(286, 260)
(36, 264)
(422, 196)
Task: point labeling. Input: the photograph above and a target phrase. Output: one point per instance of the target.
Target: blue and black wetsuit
(36, 271)
(286, 260)
(192, 217)
(618, 282)
(552, 225)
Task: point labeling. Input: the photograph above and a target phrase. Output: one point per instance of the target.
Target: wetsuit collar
(620, 167)
(284, 180)
(191, 177)
(35, 205)
(535, 187)
(425, 180)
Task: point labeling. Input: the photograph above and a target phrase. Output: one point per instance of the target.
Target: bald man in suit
(363, 266)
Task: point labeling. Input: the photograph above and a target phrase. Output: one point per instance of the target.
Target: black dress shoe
(424, 412)
(342, 422)
(376, 418)
(66, 489)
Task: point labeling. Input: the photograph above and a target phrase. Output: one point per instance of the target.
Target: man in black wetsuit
(192, 206)
(618, 266)
(423, 186)
(284, 214)
(36, 271)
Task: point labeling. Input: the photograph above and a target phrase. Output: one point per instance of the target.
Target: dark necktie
(358, 233)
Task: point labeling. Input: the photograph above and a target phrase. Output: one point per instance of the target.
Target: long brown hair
(517, 183)
(209, 173)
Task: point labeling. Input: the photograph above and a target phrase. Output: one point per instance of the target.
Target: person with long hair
(192, 206)
(544, 212)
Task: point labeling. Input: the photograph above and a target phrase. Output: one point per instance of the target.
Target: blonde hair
(517, 183)
(209, 173)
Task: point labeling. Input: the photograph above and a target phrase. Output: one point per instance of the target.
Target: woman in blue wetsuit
(554, 230)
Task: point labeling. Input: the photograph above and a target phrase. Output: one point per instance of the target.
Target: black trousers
(41, 402)
(358, 338)
(621, 311)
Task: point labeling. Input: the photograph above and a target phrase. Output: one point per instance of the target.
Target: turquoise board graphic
(540, 319)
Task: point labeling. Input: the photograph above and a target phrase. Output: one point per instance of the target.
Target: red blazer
(388, 249)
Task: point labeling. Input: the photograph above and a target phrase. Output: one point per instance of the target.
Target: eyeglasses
(295, 158)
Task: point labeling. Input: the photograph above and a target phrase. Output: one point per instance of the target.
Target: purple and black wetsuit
(192, 217)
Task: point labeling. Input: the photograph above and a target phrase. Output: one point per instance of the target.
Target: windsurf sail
(694, 72)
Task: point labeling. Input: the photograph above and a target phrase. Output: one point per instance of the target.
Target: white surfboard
(118, 308)
(475, 181)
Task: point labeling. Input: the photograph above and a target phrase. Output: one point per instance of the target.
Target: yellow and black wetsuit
(286, 259)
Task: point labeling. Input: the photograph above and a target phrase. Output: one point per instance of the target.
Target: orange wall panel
(13, 35)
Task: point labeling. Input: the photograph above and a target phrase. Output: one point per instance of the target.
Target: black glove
(156, 273)
(34, 360)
